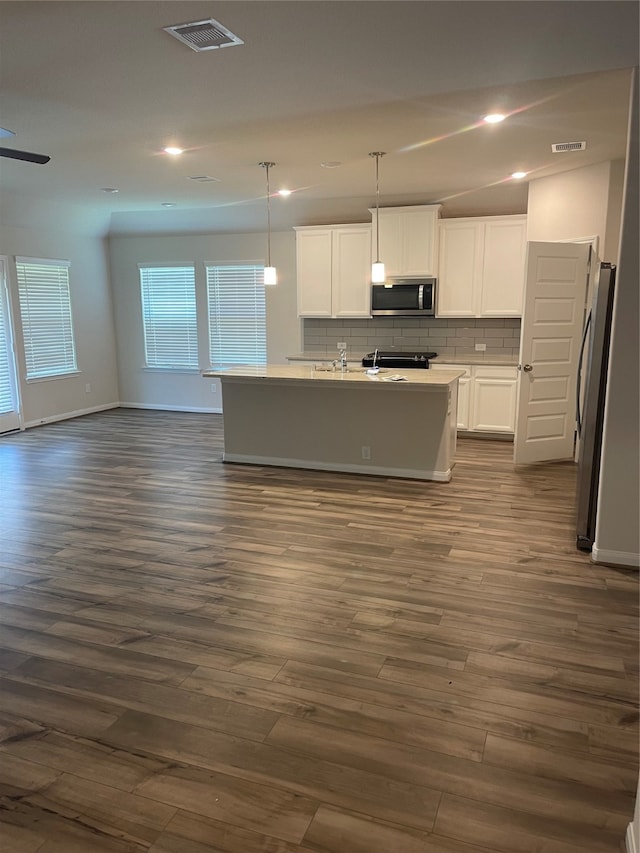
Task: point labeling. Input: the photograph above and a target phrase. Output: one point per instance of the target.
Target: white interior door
(9, 413)
(552, 321)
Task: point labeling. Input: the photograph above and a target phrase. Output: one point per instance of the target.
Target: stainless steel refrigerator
(591, 392)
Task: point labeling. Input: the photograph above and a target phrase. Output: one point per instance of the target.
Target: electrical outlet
(214, 388)
(87, 388)
(366, 452)
(342, 345)
(481, 347)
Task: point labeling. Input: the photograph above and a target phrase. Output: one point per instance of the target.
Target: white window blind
(237, 327)
(47, 323)
(169, 316)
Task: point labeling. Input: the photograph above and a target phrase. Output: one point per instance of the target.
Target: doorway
(9, 398)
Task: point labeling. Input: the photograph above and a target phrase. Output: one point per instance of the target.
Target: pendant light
(377, 268)
(270, 276)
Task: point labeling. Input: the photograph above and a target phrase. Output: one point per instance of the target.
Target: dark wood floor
(198, 657)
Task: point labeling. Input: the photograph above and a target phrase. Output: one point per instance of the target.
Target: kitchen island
(301, 416)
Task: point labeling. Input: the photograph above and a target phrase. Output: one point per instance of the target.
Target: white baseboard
(79, 412)
(347, 468)
(166, 408)
(67, 415)
(630, 841)
(615, 558)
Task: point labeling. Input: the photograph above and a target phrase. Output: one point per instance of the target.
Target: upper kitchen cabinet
(334, 270)
(408, 240)
(482, 266)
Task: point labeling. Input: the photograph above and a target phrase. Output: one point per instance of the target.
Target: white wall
(92, 312)
(157, 389)
(582, 203)
(611, 250)
(575, 205)
(618, 517)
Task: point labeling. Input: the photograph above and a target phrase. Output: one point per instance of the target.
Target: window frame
(152, 352)
(63, 336)
(259, 336)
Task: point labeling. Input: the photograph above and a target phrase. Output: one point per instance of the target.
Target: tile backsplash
(445, 336)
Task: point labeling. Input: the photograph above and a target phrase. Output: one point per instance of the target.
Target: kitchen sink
(330, 369)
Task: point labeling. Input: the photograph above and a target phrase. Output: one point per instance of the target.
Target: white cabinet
(408, 240)
(493, 408)
(482, 266)
(313, 264)
(487, 397)
(464, 392)
(460, 268)
(334, 270)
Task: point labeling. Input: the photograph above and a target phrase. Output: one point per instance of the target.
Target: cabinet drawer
(495, 372)
(439, 366)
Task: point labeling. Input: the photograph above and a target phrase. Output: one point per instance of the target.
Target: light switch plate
(342, 345)
(481, 347)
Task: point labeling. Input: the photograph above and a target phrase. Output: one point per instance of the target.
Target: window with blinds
(237, 327)
(7, 401)
(169, 316)
(47, 323)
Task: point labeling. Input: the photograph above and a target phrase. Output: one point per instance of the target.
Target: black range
(397, 358)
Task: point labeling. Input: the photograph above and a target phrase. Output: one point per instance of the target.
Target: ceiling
(102, 88)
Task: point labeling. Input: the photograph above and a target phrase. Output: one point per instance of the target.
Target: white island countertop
(357, 376)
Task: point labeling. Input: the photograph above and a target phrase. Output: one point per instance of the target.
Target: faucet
(343, 359)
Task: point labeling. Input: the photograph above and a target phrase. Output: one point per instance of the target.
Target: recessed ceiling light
(284, 192)
(330, 164)
(109, 190)
(518, 175)
(168, 204)
(494, 118)
(171, 149)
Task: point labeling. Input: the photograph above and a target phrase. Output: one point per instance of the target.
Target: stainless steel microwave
(404, 298)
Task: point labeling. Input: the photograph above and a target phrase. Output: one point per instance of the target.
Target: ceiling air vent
(204, 179)
(561, 147)
(203, 35)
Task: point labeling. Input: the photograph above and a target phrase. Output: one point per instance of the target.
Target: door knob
(527, 368)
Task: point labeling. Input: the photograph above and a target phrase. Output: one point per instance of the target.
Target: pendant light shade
(377, 272)
(270, 275)
(377, 268)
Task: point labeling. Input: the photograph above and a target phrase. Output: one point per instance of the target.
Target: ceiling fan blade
(24, 155)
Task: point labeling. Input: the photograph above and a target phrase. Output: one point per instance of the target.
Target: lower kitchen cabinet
(464, 392)
(493, 408)
(487, 397)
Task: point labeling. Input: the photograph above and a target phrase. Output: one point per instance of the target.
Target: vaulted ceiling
(101, 88)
